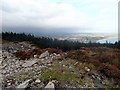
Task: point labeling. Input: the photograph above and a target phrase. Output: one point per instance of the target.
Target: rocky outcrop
(12, 66)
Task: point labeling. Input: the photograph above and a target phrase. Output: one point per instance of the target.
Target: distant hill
(46, 42)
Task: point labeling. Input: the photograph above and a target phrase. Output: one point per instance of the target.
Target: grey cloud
(7, 8)
(42, 31)
(37, 13)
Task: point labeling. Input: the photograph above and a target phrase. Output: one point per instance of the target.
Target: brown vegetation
(106, 60)
(29, 54)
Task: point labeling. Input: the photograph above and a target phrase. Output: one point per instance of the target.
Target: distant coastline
(90, 37)
(108, 40)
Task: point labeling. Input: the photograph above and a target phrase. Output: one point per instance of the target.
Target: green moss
(81, 82)
(107, 84)
(49, 75)
(56, 75)
(22, 77)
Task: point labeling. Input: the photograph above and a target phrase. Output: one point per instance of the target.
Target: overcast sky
(73, 16)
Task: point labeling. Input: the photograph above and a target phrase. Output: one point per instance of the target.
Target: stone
(1, 79)
(24, 85)
(3, 66)
(87, 69)
(4, 71)
(98, 78)
(64, 65)
(75, 63)
(50, 85)
(37, 81)
(9, 84)
(29, 63)
(46, 58)
(58, 55)
(35, 56)
(54, 54)
(45, 54)
(1, 61)
(10, 88)
(49, 64)
(70, 67)
(93, 76)
(41, 85)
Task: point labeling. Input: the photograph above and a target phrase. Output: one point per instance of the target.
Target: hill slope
(24, 65)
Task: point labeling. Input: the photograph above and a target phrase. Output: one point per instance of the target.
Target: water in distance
(108, 40)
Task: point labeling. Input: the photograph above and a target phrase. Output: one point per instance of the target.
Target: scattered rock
(45, 54)
(75, 63)
(64, 65)
(49, 64)
(1, 79)
(24, 85)
(87, 69)
(33, 67)
(54, 54)
(35, 56)
(3, 66)
(10, 88)
(29, 63)
(1, 61)
(93, 76)
(9, 84)
(37, 81)
(50, 85)
(70, 67)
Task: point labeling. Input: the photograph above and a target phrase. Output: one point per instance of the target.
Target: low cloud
(79, 15)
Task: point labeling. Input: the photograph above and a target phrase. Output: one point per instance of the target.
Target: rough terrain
(23, 65)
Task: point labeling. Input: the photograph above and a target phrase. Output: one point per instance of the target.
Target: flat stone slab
(24, 84)
(45, 54)
(29, 63)
(50, 85)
